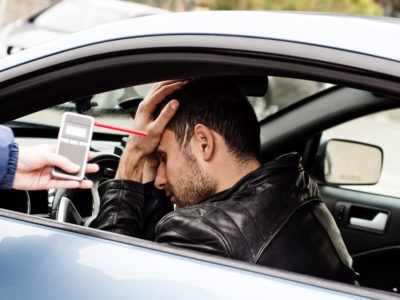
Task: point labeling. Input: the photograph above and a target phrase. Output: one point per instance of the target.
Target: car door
(368, 216)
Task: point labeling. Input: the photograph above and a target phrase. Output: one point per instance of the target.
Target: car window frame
(13, 84)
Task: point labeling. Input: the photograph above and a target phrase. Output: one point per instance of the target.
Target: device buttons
(74, 142)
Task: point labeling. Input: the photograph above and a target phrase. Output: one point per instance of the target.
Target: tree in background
(365, 7)
(368, 7)
(391, 8)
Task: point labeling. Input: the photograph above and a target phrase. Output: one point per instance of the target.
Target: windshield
(72, 16)
(117, 107)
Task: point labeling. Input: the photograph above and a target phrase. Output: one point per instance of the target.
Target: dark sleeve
(121, 205)
(8, 157)
(193, 233)
(156, 205)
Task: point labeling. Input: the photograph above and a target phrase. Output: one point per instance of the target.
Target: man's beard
(193, 184)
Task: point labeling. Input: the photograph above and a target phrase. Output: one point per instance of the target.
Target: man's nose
(160, 181)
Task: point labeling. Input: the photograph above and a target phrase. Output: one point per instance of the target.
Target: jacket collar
(290, 162)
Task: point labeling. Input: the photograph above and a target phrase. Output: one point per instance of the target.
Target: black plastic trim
(93, 77)
(334, 106)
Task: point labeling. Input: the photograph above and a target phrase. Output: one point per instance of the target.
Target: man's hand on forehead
(144, 118)
(137, 147)
(156, 95)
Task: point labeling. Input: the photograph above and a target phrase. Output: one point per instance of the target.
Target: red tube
(112, 127)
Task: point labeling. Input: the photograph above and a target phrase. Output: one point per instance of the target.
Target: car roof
(375, 36)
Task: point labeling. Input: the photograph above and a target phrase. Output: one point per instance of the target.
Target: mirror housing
(343, 162)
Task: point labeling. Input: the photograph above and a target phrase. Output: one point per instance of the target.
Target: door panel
(346, 204)
(368, 216)
(375, 252)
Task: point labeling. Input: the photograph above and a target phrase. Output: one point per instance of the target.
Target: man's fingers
(91, 155)
(63, 184)
(69, 184)
(159, 95)
(151, 102)
(165, 116)
(62, 162)
(85, 184)
(160, 84)
(65, 164)
(92, 168)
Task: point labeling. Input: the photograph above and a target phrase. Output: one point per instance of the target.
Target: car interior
(344, 132)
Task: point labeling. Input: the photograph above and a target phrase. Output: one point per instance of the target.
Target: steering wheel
(72, 206)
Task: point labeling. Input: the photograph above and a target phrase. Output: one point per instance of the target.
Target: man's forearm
(131, 165)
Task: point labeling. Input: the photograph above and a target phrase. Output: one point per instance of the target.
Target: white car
(355, 62)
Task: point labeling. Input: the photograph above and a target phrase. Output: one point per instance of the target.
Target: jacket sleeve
(121, 207)
(193, 233)
(131, 208)
(8, 157)
(156, 205)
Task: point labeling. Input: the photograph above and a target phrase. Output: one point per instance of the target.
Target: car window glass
(381, 129)
(117, 107)
(283, 92)
(106, 109)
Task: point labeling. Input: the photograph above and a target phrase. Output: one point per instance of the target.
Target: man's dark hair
(220, 105)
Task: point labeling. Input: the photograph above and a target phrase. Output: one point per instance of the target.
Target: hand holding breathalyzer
(34, 170)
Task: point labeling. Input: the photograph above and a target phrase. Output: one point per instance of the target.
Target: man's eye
(163, 158)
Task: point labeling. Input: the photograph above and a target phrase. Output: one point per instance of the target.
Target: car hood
(22, 35)
(27, 36)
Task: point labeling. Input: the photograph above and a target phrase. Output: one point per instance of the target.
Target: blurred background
(11, 10)
(368, 7)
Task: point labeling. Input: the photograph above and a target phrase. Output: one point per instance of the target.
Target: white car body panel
(371, 36)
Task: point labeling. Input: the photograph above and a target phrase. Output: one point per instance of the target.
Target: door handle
(377, 223)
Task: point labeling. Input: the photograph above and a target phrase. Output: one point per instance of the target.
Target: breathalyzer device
(74, 142)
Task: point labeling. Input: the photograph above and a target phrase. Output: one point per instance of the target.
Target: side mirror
(350, 163)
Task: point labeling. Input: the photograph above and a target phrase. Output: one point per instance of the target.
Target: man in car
(227, 203)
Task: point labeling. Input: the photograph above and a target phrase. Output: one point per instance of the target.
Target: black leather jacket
(273, 216)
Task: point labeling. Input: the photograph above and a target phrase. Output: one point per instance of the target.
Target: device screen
(75, 131)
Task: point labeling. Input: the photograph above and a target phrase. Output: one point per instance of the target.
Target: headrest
(251, 85)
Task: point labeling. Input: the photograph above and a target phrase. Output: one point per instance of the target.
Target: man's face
(180, 174)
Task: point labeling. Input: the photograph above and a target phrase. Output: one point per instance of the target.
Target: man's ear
(204, 141)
